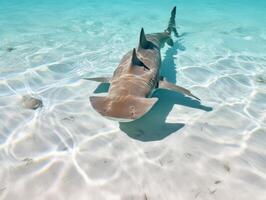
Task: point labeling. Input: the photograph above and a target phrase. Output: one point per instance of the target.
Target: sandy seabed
(66, 150)
(181, 150)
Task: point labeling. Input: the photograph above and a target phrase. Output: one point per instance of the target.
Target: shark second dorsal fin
(135, 61)
(143, 42)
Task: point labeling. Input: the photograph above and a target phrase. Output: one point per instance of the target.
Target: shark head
(122, 108)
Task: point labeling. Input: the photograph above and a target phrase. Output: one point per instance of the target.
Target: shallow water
(180, 150)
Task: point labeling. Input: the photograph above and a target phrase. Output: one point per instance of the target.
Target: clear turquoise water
(60, 151)
(70, 38)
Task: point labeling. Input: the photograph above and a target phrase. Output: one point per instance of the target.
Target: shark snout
(123, 109)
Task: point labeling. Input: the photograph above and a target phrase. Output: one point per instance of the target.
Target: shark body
(136, 77)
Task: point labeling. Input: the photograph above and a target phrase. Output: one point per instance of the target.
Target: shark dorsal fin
(143, 42)
(136, 61)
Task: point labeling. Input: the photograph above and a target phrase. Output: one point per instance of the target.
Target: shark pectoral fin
(124, 108)
(170, 86)
(99, 79)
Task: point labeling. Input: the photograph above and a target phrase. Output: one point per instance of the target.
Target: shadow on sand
(152, 126)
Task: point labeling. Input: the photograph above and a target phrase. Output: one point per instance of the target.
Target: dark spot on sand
(9, 49)
(217, 182)
(227, 168)
(28, 161)
(145, 196)
(260, 79)
(197, 194)
(212, 191)
(188, 155)
(161, 163)
(69, 118)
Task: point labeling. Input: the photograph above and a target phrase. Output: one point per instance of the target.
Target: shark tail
(171, 24)
(122, 108)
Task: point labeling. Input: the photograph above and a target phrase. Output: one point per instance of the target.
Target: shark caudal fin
(122, 108)
(171, 25)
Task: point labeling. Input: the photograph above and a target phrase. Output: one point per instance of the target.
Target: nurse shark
(136, 77)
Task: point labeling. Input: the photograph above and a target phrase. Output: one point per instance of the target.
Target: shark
(137, 76)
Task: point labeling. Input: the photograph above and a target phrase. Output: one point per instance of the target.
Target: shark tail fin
(122, 108)
(171, 24)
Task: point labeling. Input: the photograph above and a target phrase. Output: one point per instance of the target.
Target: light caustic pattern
(66, 150)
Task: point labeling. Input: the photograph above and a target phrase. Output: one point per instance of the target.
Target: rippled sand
(182, 149)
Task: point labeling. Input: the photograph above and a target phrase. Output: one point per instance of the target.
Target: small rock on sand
(30, 102)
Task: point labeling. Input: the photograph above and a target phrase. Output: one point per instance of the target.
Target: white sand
(66, 150)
